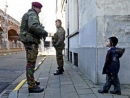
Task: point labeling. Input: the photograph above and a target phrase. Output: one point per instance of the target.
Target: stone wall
(87, 11)
(98, 20)
(113, 20)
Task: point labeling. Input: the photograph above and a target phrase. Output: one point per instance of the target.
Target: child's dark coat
(112, 63)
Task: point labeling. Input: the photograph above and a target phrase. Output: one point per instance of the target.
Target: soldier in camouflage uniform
(58, 43)
(30, 34)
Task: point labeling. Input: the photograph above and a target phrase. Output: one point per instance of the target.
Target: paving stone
(36, 95)
(53, 96)
(90, 83)
(43, 78)
(43, 75)
(43, 82)
(80, 84)
(66, 83)
(52, 91)
(53, 85)
(127, 86)
(67, 88)
(88, 96)
(125, 91)
(65, 79)
(119, 96)
(81, 87)
(54, 77)
(104, 96)
(53, 81)
(23, 95)
(65, 73)
(13, 94)
(97, 86)
(84, 91)
(69, 95)
(23, 90)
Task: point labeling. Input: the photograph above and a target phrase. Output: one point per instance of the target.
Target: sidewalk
(72, 84)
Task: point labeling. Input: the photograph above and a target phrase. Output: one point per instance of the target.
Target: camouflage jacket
(31, 30)
(59, 38)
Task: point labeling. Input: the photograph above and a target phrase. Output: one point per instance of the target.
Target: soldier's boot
(36, 90)
(37, 83)
(58, 72)
(61, 70)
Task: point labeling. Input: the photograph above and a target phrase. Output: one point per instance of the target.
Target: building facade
(9, 31)
(89, 23)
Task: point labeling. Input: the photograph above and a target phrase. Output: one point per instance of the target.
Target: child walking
(112, 66)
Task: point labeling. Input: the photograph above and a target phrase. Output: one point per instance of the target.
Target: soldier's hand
(52, 37)
(44, 38)
(55, 45)
(45, 33)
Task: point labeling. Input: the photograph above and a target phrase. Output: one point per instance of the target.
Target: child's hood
(120, 51)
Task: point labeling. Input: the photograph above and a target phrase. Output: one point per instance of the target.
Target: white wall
(73, 16)
(87, 11)
(113, 19)
(74, 42)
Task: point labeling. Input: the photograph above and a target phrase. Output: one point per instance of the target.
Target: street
(11, 67)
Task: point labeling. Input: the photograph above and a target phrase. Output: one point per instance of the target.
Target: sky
(16, 9)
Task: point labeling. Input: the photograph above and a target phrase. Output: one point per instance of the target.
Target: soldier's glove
(45, 34)
(44, 38)
(52, 37)
(55, 45)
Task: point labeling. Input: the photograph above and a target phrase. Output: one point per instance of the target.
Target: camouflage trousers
(59, 57)
(31, 56)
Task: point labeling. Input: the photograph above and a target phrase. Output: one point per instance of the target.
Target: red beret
(37, 4)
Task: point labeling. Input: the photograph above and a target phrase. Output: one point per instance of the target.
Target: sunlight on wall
(16, 9)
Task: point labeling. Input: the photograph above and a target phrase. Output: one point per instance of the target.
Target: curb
(20, 85)
(14, 93)
(10, 53)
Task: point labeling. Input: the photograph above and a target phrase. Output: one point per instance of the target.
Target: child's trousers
(112, 80)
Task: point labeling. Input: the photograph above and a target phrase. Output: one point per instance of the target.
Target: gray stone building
(88, 25)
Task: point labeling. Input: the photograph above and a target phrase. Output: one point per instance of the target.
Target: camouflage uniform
(58, 39)
(30, 34)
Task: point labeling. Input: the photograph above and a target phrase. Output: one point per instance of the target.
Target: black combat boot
(61, 70)
(36, 90)
(37, 83)
(58, 72)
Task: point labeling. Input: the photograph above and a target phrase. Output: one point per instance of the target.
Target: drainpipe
(68, 43)
(68, 29)
(56, 8)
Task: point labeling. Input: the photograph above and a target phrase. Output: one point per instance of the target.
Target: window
(76, 59)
